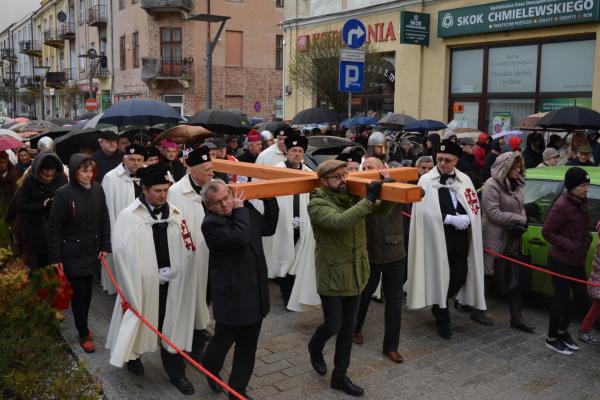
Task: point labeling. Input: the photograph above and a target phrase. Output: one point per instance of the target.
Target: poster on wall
(501, 122)
(556, 103)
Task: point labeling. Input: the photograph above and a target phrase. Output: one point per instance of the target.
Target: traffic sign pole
(352, 61)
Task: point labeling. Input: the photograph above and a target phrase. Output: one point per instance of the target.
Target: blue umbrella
(425, 125)
(140, 112)
(358, 121)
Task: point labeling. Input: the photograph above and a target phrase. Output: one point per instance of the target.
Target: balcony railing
(30, 48)
(167, 5)
(67, 30)
(166, 69)
(58, 79)
(53, 38)
(97, 15)
(8, 54)
(27, 82)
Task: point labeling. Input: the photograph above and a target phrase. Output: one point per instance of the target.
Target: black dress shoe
(317, 361)
(480, 317)
(444, 330)
(214, 386)
(343, 383)
(522, 325)
(136, 367)
(183, 384)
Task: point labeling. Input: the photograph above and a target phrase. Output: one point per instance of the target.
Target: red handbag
(64, 292)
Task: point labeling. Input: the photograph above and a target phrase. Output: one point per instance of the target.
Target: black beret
(135, 149)
(108, 135)
(152, 152)
(286, 131)
(449, 147)
(156, 174)
(198, 156)
(296, 141)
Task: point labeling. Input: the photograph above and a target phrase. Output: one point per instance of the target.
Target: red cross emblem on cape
(187, 236)
(471, 197)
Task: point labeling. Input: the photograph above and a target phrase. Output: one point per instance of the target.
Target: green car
(542, 186)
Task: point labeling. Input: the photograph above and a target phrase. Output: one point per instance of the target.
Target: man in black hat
(445, 252)
(152, 156)
(153, 250)
(352, 156)
(108, 156)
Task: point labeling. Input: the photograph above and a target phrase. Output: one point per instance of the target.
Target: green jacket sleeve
(324, 214)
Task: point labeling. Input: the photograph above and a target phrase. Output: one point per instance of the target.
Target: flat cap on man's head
(326, 167)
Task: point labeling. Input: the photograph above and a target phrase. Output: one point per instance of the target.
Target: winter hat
(151, 152)
(575, 176)
(515, 143)
(254, 136)
(108, 135)
(219, 142)
(466, 141)
(550, 152)
(449, 147)
(156, 174)
(585, 149)
(135, 149)
(168, 144)
(296, 141)
(198, 156)
(329, 166)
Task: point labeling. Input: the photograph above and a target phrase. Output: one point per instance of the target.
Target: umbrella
(80, 124)
(62, 121)
(11, 133)
(507, 134)
(397, 120)
(74, 141)
(425, 125)
(315, 115)
(221, 121)
(139, 112)
(8, 142)
(461, 123)
(358, 121)
(52, 133)
(28, 134)
(35, 126)
(272, 126)
(88, 115)
(17, 127)
(530, 123)
(184, 134)
(571, 118)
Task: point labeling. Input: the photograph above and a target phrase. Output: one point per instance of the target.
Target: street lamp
(210, 46)
(45, 70)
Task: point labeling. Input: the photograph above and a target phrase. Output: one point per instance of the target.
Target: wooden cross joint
(275, 181)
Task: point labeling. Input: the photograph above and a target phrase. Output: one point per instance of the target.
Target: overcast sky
(17, 10)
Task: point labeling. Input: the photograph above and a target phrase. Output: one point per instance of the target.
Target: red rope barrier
(126, 306)
(534, 267)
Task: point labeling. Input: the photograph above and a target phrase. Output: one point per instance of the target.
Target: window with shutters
(122, 53)
(135, 45)
(279, 52)
(234, 48)
(170, 50)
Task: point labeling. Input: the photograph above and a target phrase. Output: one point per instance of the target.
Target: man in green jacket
(341, 263)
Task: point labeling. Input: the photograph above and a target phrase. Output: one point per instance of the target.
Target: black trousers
(564, 306)
(459, 267)
(340, 315)
(173, 364)
(245, 339)
(286, 284)
(392, 278)
(80, 302)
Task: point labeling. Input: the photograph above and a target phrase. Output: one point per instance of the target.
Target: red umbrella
(8, 143)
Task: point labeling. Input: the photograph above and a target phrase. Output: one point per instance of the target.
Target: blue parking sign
(354, 33)
(351, 76)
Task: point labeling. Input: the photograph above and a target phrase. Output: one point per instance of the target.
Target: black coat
(79, 227)
(237, 265)
(30, 201)
(247, 157)
(468, 165)
(176, 168)
(105, 163)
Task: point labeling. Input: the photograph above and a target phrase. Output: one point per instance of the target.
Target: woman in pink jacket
(594, 292)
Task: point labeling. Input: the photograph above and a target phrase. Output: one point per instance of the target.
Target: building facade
(487, 65)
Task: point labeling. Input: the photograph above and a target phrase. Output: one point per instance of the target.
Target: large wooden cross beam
(275, 181)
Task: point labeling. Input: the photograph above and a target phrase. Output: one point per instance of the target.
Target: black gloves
(373, 190)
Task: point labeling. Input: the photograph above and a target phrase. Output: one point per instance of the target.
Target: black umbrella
(425, 125)
(272, 126)
(315, 115)
(399, 120)
(76, 141)
(53, 133)
(139, 112)
(221, 121)
(571, 118)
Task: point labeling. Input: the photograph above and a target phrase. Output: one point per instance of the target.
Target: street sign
(257, 106)
(354, 33)
(352, 55)
(352, 76)
(91, 104)
(414, 28)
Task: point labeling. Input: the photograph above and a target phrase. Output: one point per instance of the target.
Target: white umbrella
(10, 133)
(507, 134)
(93, 123)
(461, 123)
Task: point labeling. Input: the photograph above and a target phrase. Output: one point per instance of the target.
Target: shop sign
(514, 15)
(377, 32)
(551, 104)
(414, 28)
(106, 103)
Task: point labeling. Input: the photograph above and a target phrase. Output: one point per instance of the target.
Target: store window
(505, 114)
(568, 66)
(512, 69)
(175, 101)
(467, 71)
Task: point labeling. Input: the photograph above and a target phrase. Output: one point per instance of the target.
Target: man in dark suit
(233, 230)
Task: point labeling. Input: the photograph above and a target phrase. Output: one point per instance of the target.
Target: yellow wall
(422, 73)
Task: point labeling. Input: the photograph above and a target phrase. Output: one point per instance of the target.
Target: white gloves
(164, 275)
(460, 222)
(296, 222)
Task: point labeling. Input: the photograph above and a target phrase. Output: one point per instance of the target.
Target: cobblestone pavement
(479, 362)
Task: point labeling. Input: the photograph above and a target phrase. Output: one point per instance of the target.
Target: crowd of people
(186, 250)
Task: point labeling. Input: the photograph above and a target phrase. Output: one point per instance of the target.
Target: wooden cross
(276, 181)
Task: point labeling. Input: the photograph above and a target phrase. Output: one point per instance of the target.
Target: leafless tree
(73, 98)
